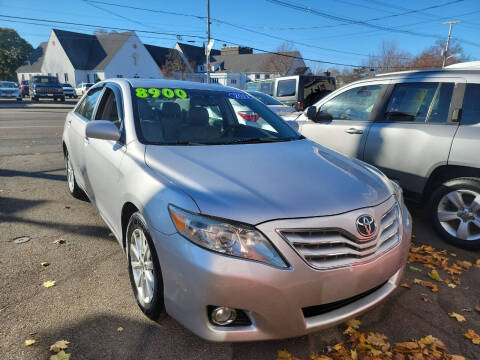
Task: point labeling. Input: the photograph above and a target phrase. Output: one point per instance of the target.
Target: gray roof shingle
(34, 61)
(245, 63)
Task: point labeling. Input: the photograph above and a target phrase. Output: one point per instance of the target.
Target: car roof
(177, 84)
(447, 71)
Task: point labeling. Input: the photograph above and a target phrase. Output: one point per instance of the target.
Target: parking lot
(92, 296)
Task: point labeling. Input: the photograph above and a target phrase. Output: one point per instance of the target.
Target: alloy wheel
(141, 262)
(459, 214)
(70, 175)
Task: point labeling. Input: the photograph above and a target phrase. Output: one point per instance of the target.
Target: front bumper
(272, 298)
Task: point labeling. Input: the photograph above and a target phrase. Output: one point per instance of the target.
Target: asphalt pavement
(92, 297)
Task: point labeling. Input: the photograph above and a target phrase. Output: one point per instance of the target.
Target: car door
(351, 112)
(76, 123)
(414, 132)
(104, 157)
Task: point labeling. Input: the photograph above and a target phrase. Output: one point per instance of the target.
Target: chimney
(236, 50)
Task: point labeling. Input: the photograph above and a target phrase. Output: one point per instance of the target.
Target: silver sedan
(240, 230)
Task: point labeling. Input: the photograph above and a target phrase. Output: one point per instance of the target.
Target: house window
(214, 80)
(96, 78)
(23, 77)
(66, 77)
(119, 76)
(257, 76)
(88, 78)
(233, 81)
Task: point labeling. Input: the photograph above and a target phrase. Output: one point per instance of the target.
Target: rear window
(45, 79)
(287, 87)
(267, 100)
(471, 105)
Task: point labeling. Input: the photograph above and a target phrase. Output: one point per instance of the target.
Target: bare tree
(432, 57)
(280, 61)
(389, 59)
(175, 65)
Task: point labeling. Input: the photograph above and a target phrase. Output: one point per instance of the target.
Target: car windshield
(200, 117)
(264, 98)
(5, 84)
(45, 79)
(66, 85)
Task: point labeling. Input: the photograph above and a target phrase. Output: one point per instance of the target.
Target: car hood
(8, 88)
(254, 183)
(281, 109)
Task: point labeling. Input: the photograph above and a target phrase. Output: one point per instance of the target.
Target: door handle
(354, 131)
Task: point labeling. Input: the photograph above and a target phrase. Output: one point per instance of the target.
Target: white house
(75, 58)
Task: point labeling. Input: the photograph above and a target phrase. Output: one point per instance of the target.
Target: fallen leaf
(435, 276)
(464, 264)
(477, 308)
(30, 342)
(477, 263)
(459, 317)
(354, 323)
(45, 263)
(457, 357)
(320, 357)
(49, 283)
(285, 355)
(453, 286)
(472, 335)
(59, 346)
(376, 339)
(59, 241)
(120, 329)
(467, 309)
(453, 254)
(427, 300)
(61, 355)
(405, 285)
(21, 240)
(33, 333)
(414, 268)
(67, 207)
(407, 347)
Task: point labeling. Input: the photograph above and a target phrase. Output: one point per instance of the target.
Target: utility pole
(207, 46)
(445, 51)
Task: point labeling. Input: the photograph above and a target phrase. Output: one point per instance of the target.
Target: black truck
(43, 86)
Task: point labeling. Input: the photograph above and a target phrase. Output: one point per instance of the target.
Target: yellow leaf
(429, 339)
(457, 357)
(44, 263)
(353, 354)
(337, 347)
(407, 347)
(61, 355)
(320, 357)
(49, 283)
(284, 355)
(59, 346)
(472, 335)
(30, 342)
(453, 286)
(376, 339)
(435, 276)
(459, 317)
(417, 281)
(120, 329)
(354, 323)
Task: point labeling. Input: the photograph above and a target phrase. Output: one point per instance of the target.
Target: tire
(455, 212)
(72, 185)
(144, 269)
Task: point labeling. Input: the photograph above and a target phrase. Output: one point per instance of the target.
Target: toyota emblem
(366, 225)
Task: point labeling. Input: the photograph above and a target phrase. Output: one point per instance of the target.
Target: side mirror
(323, 116)
(311, 112)
(102, 129)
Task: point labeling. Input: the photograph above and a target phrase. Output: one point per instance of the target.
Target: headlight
(237, 240)
(398, 193)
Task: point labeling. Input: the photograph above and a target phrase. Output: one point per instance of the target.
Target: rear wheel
(144, 269)
(73, 187)
(455, 211)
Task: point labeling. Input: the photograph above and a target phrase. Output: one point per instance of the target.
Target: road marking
(35, 126)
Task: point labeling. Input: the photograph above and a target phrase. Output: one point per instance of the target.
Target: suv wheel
(73, 187)
(144, 269)
(455, 211)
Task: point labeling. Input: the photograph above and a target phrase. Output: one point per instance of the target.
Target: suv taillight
(249, 115)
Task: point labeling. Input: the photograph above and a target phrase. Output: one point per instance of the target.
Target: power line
(172, 34)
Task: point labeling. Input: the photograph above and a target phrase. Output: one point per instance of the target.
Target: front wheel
(455, 211)
(73, 187)
(144, 269)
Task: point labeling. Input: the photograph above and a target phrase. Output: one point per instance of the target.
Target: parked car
(69, 91)
(421, 128)
(44, 86)
(273, 104)
(82, 88)
(299, 91)
(9, 90)
(215, 215)
(24, 88)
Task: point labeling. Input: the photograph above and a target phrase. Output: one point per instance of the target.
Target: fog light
(223, 315)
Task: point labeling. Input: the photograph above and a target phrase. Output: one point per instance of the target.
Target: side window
(354, 104)
(441, 104)
(287, 87)
(471, 105)
(107, 109)
(88, 103)
(410, 102)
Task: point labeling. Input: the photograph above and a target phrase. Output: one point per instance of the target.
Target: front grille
(325, 308)
(336, 247)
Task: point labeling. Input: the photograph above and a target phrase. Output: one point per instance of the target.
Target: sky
(342, 32)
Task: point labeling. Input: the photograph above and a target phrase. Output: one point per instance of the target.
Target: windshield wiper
(259, 140)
